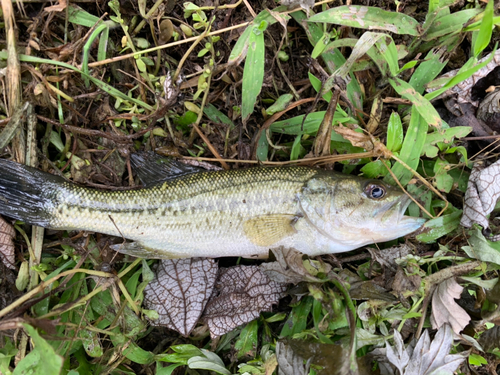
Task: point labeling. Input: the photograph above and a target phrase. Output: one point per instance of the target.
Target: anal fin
(266, 230)
(136, 249)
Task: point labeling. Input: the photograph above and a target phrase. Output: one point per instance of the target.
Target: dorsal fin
(153, 168)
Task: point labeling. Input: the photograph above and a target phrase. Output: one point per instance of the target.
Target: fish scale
(242, 212)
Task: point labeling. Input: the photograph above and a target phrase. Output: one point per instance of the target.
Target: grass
(252, 92)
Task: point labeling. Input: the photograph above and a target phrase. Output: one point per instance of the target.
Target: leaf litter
(444, 308)
(240, 294)
(483, 192)
(7, 251)
(180, 291)
(425, 357)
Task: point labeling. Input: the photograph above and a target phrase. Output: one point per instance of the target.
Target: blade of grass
(450, 24)
(103, 45)
(410, 150)
(86, 51)
(483, 38)
(394, 133)
(370, 18)
(461, 75)
(253, 73)
(427, 70)
(420, 103)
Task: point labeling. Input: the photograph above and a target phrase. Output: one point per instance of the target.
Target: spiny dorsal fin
(153, 168)
(266, 230)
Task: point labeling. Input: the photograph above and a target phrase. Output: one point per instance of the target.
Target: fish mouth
(394, 215)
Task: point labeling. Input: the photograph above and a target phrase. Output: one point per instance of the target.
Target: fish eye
(375, 191)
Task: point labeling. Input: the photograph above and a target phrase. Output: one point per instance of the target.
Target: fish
(184, 211)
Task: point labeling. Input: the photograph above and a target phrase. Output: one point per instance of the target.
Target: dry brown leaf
(445, 309)
(387, 257)
(240, 294)
(289, 362)
(59, 7)
(7, 252)
(304, 4)
(357, 139)
(180, 292)
(290, 267)
(483, 191)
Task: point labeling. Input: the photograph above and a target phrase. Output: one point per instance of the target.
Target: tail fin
(26, 193)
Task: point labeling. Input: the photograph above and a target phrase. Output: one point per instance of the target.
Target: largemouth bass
(242, 212)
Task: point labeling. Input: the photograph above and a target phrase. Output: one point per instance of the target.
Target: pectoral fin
(266, 230)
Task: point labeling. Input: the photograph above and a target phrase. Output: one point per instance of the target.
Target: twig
(153, 49)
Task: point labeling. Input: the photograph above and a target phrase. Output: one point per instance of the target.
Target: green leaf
(423, 105)
(316, 84)
(449, 24)
(440, 226)
(363, 46)
(131, 350)
(462, 75)
(311, 124)
(240, 49)
(484, 36)
(209, 361)
(253, 73)
(294, 155)
(482, 249)
(181, 355)
(446, 136)
(248, 340)
(390, 54)
(297, 320)
(81, 17)
(394, 133)
(427, 70)
(103, 44)
(140, 65)
(444, 181)
(433, 5)
(320, 45)
(160, 370)
(42, 359)
(86, 51)
(369, 18)
(280, 104)
(411, 149)
(262, 147)
(408, 65)
(91, 343)
(7, 352)
(217, 116)
(477, 360)
(374, 169)
(132, 282)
